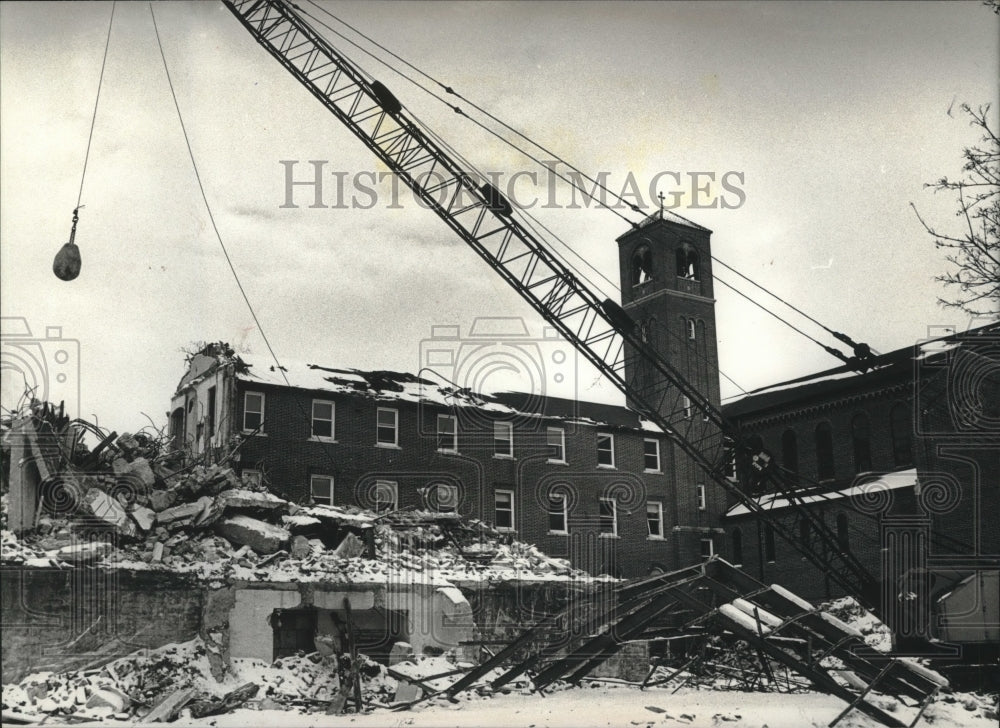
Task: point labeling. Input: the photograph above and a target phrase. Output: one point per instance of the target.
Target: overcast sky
(830, 117)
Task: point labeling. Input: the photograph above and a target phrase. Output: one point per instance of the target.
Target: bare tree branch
(975, 252)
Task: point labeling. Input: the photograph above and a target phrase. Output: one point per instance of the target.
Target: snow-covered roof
(406, 387)
(894, 365)
(889, 481)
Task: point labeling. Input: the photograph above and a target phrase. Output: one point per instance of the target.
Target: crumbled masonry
(158, 512)
(132, 503)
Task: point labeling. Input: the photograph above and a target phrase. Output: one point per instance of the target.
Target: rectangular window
(322, 419)
(608, 516)
(557, 513)
(707, 548)
(654, 517)
(386, 496)
(211, 411)
(503, 439)
(447, 433)
(701, 497)
(556, 439)
(605, 449)
(651, 455)
(444, 497)
(253, 411)
(387, 426)
(503, 501)
(321, 488)
(253, 477)
(687, 407)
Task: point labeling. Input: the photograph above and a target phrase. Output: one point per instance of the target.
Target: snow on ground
(611, 705)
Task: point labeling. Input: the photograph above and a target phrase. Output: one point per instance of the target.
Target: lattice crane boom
(478, 213)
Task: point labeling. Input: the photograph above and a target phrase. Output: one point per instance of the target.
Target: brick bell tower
(666, 286)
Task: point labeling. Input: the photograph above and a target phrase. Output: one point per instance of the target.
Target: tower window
(692, 334)
(687, 263)
(790, 451)
(824, 451)
(642, 265)
(862, 443)
(902, 442)
(842, 538)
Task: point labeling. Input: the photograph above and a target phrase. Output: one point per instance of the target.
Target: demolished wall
(55, 619)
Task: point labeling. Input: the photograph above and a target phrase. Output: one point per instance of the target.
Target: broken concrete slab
(238, 499)
(109, 511)
(351, 547)
(137, 474)
(301, 548)
(262, 537)
(249, 499)
(170, 706)
(185, 510)
(127, 443)
(298, 523)
(161, 500)
(109, 697)
(143, 516)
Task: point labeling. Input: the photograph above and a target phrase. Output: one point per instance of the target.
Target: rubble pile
(175, 681)
(135, 503)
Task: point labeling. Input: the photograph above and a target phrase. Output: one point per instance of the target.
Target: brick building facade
(908, 451)
(584, 481)
(581, 480)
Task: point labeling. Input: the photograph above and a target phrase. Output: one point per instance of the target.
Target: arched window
(737, 546)
(642, 265)
(861, 439)
(769, 543)
(804, 531)
(687, 263)
(902, 436)
(842, 537)
(692, 333)
(824, 451)
(790, 451)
